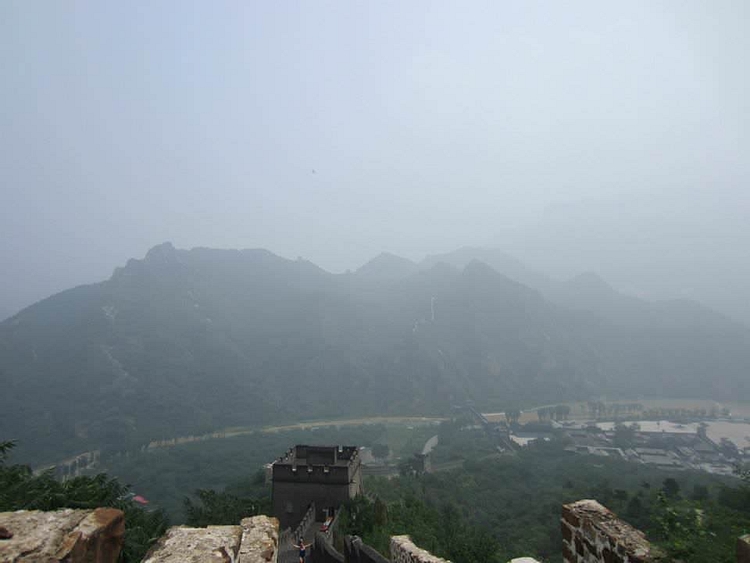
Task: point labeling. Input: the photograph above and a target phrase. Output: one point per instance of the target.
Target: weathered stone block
(214, 544)
(568, 555)
(567, 532)
(570, 517)
(743, 549)
(72, 536)
(260, 539)
(579, 546)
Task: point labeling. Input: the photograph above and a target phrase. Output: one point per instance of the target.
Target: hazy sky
(428, 125)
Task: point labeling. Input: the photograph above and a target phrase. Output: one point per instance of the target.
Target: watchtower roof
(331, 456)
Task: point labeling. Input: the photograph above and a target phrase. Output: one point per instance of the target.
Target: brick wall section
(73, 536)
(254, 541)
(593, 534)
(404, 551)
(324, 552)
(743, 549)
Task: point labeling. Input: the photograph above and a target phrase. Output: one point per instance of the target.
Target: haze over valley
(511, 238)
(191, 341)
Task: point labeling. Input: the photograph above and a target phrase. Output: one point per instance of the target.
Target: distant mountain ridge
(188, 341)
(387, 266)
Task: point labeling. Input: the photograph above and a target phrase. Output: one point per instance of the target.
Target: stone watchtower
(325, 475)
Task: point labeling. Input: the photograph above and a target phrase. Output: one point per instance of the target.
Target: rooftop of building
(301, 454)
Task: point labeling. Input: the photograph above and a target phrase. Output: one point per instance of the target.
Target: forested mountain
(189, 341)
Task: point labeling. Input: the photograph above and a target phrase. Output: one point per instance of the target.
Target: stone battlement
(311, 474)
(317, 464)
(591, 534)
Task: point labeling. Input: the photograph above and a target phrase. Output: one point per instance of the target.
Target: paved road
(242, 431)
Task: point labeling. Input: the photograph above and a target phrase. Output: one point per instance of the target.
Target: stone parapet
(214, 544)
(355, 551)
(254, 541)
(403, 550)
(592, 534)
(324, 552)
(72, 536)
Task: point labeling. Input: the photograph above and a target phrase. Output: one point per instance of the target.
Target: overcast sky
(337, 130)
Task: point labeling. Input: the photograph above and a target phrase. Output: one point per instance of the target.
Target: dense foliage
(222, 508)
(516, 500)
(247, 497)
(441, 530)
(20, 489)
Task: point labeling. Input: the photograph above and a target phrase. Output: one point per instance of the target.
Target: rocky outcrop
(72, 536)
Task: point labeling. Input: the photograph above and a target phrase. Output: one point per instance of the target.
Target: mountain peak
(387, 266)
(161, 252)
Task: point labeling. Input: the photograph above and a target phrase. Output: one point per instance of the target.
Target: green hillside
(189, 341)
